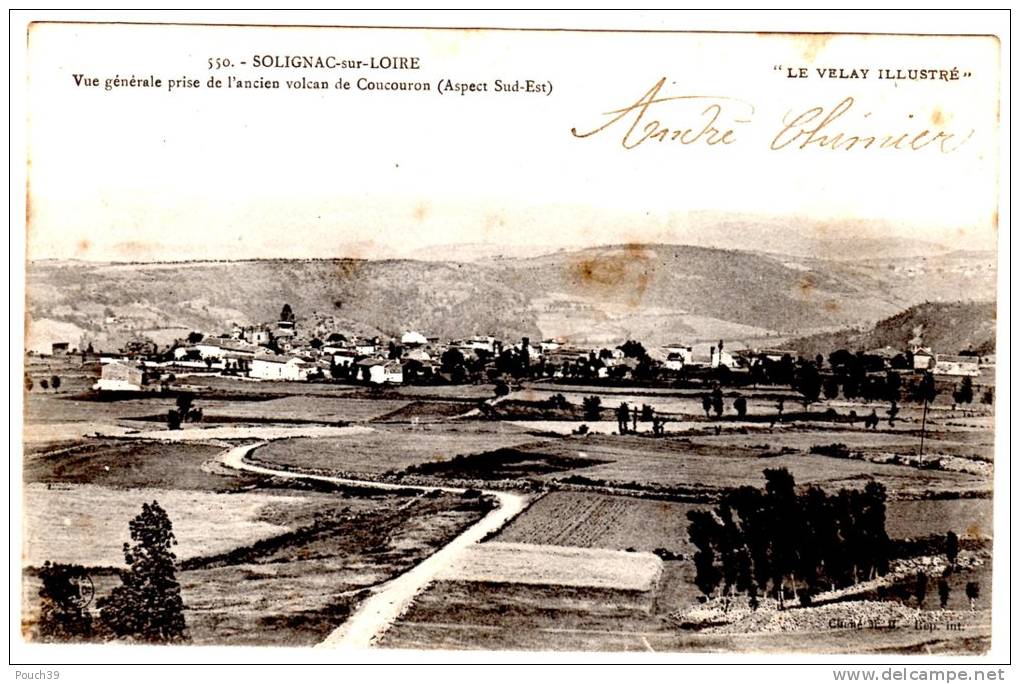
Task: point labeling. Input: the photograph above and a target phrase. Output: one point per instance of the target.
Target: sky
(197, 173)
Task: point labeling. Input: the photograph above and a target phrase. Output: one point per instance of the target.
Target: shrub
(837, 450)
(63, 614)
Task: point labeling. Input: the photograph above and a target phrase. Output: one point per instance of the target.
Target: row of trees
(53, 381)
(776, 542)
(145, 607)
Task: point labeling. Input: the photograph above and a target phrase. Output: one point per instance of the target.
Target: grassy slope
(626, 284)
(947, 327)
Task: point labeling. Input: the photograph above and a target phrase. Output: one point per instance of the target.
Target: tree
(450, 359)
(973, 589)
(964, 393)
(315, 343)
(55, 382)
(943, 593)
(622, 417)
(925, 391)
(702, 531)
(920, 587)
(784, 511)
(194, 337)
(740, 406)
(502, 389)
(44, 383)
(286, 313)
(894, 411)
(184, 403)
(147, 606)
(830, 388)
(952, 548)
(809, 383)
(173, 420)
(717, 402)
(592, 407)
(706, 404)
(65, 592)
(892, 387)
(633, 349)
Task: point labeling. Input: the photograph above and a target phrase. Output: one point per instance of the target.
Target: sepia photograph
(428, 340)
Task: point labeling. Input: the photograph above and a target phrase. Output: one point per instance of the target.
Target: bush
(837, 450)
(63, 614)
(592, 408)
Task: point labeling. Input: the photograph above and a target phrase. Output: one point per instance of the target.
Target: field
(261, 560)
(87, 524)
(391, 448)
(270, 560)
(512, 563)
(596, 521)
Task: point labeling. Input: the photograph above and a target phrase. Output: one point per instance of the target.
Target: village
(283, 351)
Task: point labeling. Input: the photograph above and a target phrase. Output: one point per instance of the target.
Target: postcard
(416, 339)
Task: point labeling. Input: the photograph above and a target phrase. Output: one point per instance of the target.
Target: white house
(417, 355)
(678, 355)
(413, 339)
(120, 377)
(273, 367)
(957, 365)
(381, 371)
(364, 347)
(343, 357)
(550, 345)
(674, 361)
(923, 358)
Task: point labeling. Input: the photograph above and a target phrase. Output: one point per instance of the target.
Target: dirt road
(380, 610)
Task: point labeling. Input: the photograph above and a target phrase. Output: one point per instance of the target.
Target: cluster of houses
(280, 353)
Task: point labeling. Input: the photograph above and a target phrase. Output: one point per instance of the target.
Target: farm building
(923, 359)
(380, 371)
(957, 365)
(342, 357)
(273, 367)
(417, 355)
(413, 339)
(120, 377)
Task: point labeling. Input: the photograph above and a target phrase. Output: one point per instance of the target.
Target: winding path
(378, 612)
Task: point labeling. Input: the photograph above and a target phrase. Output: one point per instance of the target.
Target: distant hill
(945, 327)
(657, 293)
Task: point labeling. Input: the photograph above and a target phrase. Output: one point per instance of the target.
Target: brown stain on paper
(813, 43)
(624, 272)
(421, 211)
